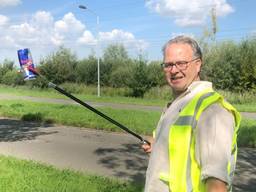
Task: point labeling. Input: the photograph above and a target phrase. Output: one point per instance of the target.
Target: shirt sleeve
(214, 142)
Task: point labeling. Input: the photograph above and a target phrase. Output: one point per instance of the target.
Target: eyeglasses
(181, 65)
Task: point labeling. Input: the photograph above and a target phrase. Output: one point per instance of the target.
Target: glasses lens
(181, 64)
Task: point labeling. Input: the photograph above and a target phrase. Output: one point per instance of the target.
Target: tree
(6, 66)
(155, 74)
(121, 76)
(248, 64)
(139, 81)
(86, 71)
(115, 60)
(221, 66)
(59, 67)
(115, 55)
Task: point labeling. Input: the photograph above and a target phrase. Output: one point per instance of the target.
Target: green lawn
(28, 176)
(52, 93)
(246, 107)
(139, 121)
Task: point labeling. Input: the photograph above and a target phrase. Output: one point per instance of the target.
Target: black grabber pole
(50, 84)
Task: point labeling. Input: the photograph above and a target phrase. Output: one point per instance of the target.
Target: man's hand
(146, 147)
(215, 185)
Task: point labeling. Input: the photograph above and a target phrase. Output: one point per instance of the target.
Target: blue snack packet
(26, 63)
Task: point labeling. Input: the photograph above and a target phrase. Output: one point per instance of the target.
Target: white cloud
(3, 20)
(8, 42)
(57, 39)
(68, 28)
(42, 19)
(69, 24)
(120, 36)
(189, 13)
(24, 29)
(5, 3)
(87, 38)
(42, 32)
(116, 35)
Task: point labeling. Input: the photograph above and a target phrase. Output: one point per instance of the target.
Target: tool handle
(97, 112)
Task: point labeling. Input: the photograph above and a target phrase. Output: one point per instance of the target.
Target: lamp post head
(82, 7)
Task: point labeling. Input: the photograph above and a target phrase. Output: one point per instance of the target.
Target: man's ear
(198, 65)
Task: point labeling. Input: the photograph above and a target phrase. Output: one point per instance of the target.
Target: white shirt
(213, 140)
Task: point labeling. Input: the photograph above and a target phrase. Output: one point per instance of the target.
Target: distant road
(97, 104)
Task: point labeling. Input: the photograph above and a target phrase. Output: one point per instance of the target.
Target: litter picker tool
(27, 66)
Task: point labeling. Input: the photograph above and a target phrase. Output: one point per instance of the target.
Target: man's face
(180, 79)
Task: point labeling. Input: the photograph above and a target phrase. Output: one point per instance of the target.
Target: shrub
(13, 78)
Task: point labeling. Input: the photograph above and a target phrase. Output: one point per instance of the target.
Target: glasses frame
(178, 64)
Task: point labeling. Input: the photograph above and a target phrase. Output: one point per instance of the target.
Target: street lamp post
(98, 57)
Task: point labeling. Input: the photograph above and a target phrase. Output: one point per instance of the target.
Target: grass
(247, 133)
(247, 107)
(28, 176)
(140, 121)
(51, 93)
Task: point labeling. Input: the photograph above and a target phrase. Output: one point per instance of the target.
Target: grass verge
(139, 121)
(51, 93)
(247, 133)
(28, 176)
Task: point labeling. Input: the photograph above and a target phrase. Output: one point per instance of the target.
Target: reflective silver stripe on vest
(189, 119)
(200, 100)
(186, 121)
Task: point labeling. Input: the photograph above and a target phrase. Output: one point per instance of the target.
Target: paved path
(101, 104)
(104, 153)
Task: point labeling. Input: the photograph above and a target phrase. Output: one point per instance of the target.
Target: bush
(37, 117)
(13, 78)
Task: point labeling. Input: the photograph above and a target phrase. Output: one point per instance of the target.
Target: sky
(142, 26)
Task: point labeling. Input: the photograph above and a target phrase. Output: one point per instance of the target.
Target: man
(194, 147)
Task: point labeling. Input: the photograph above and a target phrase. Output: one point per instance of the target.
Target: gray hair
(197, 53)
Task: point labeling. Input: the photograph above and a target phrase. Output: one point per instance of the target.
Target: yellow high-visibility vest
(184, 174)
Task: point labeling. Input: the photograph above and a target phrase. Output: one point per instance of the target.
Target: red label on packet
(26, 63)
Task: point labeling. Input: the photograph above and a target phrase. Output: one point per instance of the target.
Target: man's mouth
(175, 78)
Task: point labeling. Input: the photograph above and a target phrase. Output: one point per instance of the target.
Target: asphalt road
(110, 154)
